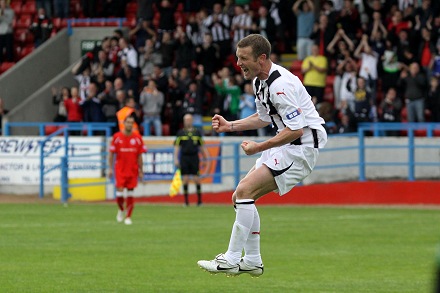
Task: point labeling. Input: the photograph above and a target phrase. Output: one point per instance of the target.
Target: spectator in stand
(110, 105)
(208, 55)
(41, 27)
(160, 78)
(305, 17)
(121, 97)
(74, 109)
(378, 34)
(331, 13)
(92, 106)
(362, 101)
(167, 49)
(3, 112)
(46, 5)
(145, 9)
(369, 60)
(113, 8)
(192, 103)
(194, 29)
(390, 67)
(371, 7)
(185, 51)
(128, 53)
(103, 65)
(434, 65)
(397, 24)
(414, 84)
(247, 107)
(389, 109)
(424, 12)
(152, 101)
(58, 98)
(218, 24)
(6, 32)
(322, 33)
(90, 8)
(129, 109)
(167, 21)
(142, 32)
(433, 99)
(130, 78)
(347, 70)
(227, 88)
(240, 25)
(426, 50)
(175, 98)
(148, 59)
(344, 47)
(61, 8)
(314, 68)
(265, 25)
(82, 75)
(345, 121)
(349, 19)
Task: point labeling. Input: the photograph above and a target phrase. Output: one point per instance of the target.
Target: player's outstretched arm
(220, 124)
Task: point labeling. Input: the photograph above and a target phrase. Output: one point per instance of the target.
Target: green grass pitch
(81, 248)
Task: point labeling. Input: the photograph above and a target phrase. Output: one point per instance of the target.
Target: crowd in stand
(382, 59)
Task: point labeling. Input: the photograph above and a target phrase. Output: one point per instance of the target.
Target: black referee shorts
(189, 165)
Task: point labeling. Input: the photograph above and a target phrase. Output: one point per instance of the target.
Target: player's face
(250, 66)
(128, 125)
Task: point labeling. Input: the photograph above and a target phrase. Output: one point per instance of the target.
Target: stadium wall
(26, 87)
(331, 169)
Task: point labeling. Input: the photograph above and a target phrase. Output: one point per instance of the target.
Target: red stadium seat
(295, 68)
(29, 7)
(16, 6)
(20, 35)
(26, 51)
(49, 129)
(5, 66)
(24, 21)
(131, 7)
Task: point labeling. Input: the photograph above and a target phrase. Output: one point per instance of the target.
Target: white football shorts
(289, 164)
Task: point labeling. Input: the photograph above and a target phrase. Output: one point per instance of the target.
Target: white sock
(252, 254)
(240, 231)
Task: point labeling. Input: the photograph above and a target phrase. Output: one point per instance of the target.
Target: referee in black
(187, 146)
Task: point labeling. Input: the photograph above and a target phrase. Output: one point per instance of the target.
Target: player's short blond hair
(259, 44)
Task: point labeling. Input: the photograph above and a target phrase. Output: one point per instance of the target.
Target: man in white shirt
(286, 159)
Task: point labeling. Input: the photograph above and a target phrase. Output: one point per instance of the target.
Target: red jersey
(127, 150)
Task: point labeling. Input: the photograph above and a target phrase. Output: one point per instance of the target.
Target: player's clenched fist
(249, 147)
(220, 124)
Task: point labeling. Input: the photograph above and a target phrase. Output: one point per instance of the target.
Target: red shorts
(124, 181)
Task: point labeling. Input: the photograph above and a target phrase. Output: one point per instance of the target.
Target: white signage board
(20, 159)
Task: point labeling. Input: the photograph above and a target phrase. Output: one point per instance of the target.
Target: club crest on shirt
(132, 141)
(295, 113)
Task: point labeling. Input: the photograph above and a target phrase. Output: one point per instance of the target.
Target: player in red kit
(128, 148)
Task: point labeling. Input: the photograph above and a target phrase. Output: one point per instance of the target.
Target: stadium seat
(49, 129)
(131, 21)
(20, 35)
(296, 67)
(330, 80)
(5, 66)
(16, 6)
(29, 7)
(131, 7)
(24, 21)
(26, 51)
